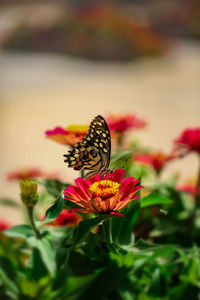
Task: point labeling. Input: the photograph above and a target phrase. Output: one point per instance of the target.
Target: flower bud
(29, 195)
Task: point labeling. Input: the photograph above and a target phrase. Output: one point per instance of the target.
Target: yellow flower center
(77, 129)
(104, 188)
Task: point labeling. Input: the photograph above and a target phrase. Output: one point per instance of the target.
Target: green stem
(32, 221)
(158, 173)
(110, 230)
(107, 230)
(82, 173)
(104, 231)
(197, 195)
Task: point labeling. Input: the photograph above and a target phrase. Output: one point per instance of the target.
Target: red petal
(93, 179)
(115, 213)
(83, 186)
(77, 192)
(81, 210)
(125, 183)
(117, 175)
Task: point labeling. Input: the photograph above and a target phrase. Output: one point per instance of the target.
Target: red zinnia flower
(4, 225)
(102, 195)
(69, 136)
(188, 141)
(157, 160)
(122, 123)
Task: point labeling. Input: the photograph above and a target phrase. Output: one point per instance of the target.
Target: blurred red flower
(31, 173)
(69, 136)
(188, 188)
(157, 160)
(122, 123)
(188, 141)
(28, 173)
(4, 225)
(66, 218)
(102, 195)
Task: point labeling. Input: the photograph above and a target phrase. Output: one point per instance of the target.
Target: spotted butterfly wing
(93, 152)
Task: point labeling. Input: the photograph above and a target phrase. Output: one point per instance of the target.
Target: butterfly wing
(98, 136)
(93, 152)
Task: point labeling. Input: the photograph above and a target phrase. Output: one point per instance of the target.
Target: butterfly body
(93, 152)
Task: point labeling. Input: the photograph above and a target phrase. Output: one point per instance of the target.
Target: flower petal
(83, 186)
(113, 201)
(125, 182)
(77, 192)
(116, 213)
(93, 179)
(96, 204)
(123, 203)
(105, 204)
(130, 190)
(55, 131)
(118, 175)
(81, 210)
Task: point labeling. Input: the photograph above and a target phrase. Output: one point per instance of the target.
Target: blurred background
(63, 63)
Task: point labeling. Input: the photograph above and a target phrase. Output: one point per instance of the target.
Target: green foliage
(10, 202)
(121, 160)
(20, 231)
(151, 253)
(53, 187)
(85, 227)
(155, 199)
(54, 211)
(122, 228)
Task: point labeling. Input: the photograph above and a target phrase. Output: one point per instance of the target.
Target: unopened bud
(29, 195)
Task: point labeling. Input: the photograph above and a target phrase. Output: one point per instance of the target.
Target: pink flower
(188, 141)
(69, 136)
(102, 195)
(157, 159)
(122, 123)
(4, 225)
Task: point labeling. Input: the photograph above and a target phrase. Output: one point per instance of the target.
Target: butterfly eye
(93, 153)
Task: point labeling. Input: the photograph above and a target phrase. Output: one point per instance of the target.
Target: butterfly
(93, 152)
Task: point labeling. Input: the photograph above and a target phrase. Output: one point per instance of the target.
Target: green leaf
(54, 187)
(152, 252)
(109, 278)
(155, 199)
(33, 289)
(85, 227)
(10, 202)
(54, 211)
(47, 252)
(138, 171)
(75, 286)
(122, 260)
(20, 231)
(122, 228)
(121, 160)
(7, 274)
